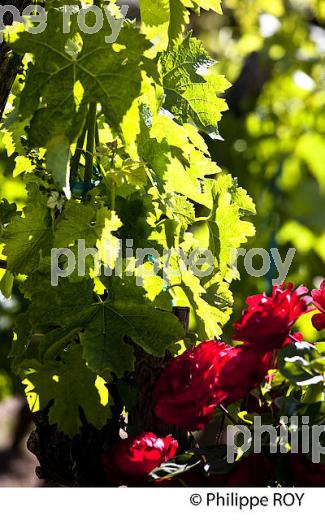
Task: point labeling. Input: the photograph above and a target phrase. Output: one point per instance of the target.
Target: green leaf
(108, 246)
(163, 21)
(20, 350)
(108, 330)
(227, 230)
(28, 236)
(58, 157)
(76, 222)
(181, 210)
(176, 467)
(80, 221)
(12, 130)
(23, 165)
(208, 318)
(71, 386)
(6, 283)
(192, 86)
(215, 5)
(298, 363)
(176, 163)
(7, 211)
(107, 335)
(63, 306)
(7, 141)
(66, 82)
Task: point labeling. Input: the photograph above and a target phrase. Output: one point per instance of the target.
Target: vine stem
(97, 140)
(113, 196)
(56, 348)
(77, 155)
(221, 428)
(92, 118)
(228, 415)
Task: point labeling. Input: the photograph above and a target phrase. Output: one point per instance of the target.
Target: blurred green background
(273, 52)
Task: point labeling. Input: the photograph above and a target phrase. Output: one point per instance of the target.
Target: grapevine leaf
(227, 231)
(163, 21)
(23, 165)
(7, 211)
(106, 340)
(76, 222)
(208, 317)
(62, 306)
(181, 209)
(12, 131)
(108, 74)
(175, 161)
(71, 386)
(6, 283)
(58, 156)
(215, 5)
(109, 329)
(191, 86)
(108, 246)
(27, 237)
(95, 227)
(7, 141)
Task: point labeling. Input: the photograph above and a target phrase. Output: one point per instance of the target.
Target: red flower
(194, 383)
(132, 460)
(295, 337)
(266, 323)
(318, 320)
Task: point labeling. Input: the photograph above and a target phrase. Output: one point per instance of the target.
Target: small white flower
(55, 201)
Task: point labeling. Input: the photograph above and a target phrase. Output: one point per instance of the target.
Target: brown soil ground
(17, 465)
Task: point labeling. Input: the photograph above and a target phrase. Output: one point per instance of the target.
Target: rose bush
(250, 379)
(203, 377)
(133, 459)
(267, 321)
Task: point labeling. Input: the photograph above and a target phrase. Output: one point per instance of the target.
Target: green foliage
(71, 385)
(163, 21)
(191, 86)
(302, 363)
(128, 115)
(176, 467)
(274, 132)
(25, 238)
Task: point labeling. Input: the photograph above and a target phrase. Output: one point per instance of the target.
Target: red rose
(241, 370)
(132, 460)
(266, 323)
(194, 383)
(297, 336)
(318, 320)
(306, 473)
